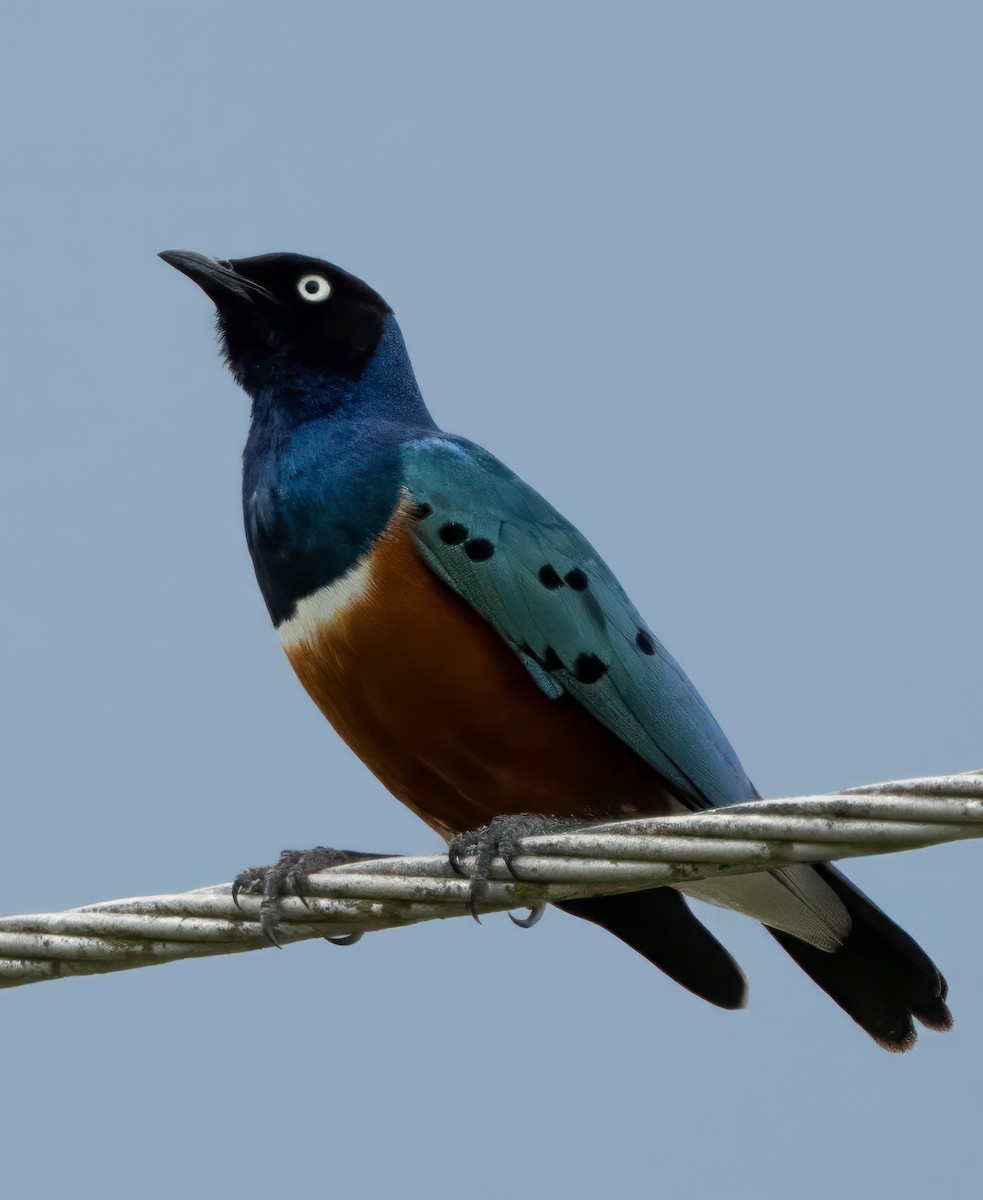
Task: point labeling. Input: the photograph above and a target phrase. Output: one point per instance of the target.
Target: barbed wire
(602, 859)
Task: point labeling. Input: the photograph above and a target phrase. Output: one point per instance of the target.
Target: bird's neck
(322, 471)
(288, 392)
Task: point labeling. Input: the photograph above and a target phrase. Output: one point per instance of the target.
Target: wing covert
(544, 588)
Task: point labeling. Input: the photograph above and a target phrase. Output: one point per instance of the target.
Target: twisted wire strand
(601, 859)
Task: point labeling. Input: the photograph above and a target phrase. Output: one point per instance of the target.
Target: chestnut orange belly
(441, 710)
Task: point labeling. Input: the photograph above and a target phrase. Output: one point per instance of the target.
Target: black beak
(218, 280)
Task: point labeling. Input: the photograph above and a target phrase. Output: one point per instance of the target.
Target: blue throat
(321, 467)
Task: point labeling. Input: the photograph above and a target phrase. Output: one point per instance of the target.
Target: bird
(477, 654)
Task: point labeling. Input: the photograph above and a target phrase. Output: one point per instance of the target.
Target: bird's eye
(314, 288)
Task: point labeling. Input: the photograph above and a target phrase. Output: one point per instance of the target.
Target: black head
(289, 308)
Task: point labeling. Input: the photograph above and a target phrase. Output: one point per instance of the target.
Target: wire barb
(342, 903)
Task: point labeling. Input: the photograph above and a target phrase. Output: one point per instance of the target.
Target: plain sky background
(709, 276)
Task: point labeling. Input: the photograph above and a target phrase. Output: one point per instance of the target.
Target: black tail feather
(880, 976)
(659, 925)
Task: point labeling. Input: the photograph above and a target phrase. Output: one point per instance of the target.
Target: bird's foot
(289, 876)
(500, 838)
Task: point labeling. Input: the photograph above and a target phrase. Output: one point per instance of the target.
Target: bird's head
(281, 311)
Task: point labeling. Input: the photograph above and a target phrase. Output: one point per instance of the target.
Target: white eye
(314, 288)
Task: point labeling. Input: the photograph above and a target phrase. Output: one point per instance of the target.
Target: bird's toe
(290, 876)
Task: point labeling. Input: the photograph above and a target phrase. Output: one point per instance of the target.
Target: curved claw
(344, 939)
(531, 920)
(474, 895)
(296, 881)
(508, 857)
(455, 857)
(268, 924)
(244, 882)
(289, 876)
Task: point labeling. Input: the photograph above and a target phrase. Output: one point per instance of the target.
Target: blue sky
(709, 277)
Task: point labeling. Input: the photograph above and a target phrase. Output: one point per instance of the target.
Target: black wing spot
(453, 533)
(588, 668)
(576, 579)
(479, 549)
(549, 578)
(420, 512)
(551, 660)
(644, 642)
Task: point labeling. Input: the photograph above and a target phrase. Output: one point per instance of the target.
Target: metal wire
(601, 859)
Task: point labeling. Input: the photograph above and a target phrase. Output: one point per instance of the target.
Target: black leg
(500, 838)
(288, 876)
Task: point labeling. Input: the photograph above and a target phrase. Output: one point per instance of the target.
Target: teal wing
(541, 584)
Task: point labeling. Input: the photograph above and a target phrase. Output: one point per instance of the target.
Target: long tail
(880, 976)
(659, 925)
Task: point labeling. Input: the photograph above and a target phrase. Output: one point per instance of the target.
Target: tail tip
(934, 1015)
(899, 1043)
(937, 1016)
